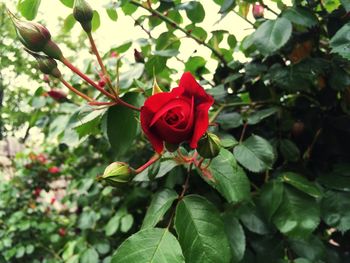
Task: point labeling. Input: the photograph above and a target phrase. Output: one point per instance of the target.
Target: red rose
(177, 116)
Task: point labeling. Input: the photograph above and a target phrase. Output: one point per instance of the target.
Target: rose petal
(201, 123)
(146, 118)
(193, 89)
(157, 101)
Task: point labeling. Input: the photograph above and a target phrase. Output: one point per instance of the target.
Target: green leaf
(128, 77)
(96, 21)
(195, 63)
(271, 195)
(299, 215)
(258, 116)
(166, 53)
(154, 245)
(340, 42)
(89, 256)
(194, 11)
(155, 65)
(335, 210)
(68, 3)
(272, 35)
(29, 8)
(201, 231)
(300, 16)
(302, 184)
(252, 218)
(122, 125)
(160, 204)
(335, 181)
(226, 6)
(69, 23)
(230, 120)
(123, 47)
(289, 150)
(236, 236)
(112, 14)
(126, 223)
(255, 154)
(346, 5)
(228, 177)
(311, 248)
(114, 223)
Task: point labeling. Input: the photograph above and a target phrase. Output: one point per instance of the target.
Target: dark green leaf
(149, 245)
(194, 11)
(253, 219)
(335, 210)
(311, 248)
(201, 231)
(340, 42)
(346, 4)
(298, 216)
(255, 154)
(258, 116)
(161, 202)
(226, 6)
(29, 8)
(228, 178)
(236, 237)
(272, 35)
(271, 195)
(289, 150)
(302, 184)
(300, 16)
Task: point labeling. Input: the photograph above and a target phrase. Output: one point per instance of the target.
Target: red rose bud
(101, 83)
(32, 35)
(57, 95)
(83, 13)
(54, 170)
(177, 116)
(258, 11)
(209, 146)
(37, 192)
(117, 174)
(138, 56)
(62, 232)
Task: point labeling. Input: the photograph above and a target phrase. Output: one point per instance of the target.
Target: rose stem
(151, 161)
(243, 132)
(102, 103)
(86, 78)
(99, 60)
(105, 73)
(75, 90)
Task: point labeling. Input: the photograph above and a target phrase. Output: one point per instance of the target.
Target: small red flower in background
(177, 116)
(57, 95)
(53, 200)
(62, 232)
(54, 170)
(37, 192)
(258, 11)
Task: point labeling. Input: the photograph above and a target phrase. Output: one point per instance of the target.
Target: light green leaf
(340, 42)
(272, 35)
(154, 245)
(201, 231)
(69, 23)
(299, 215)
(89, 256)
(255, 154)
(228, 177)
(29, 8)
(96, 21)
(160, 204)
(301, 183)
(68, 3)
(112, 14)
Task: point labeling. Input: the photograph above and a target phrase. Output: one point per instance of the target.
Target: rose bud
(117, 174)
(32, 35)
(52, 50)
(57, 95)
(209, 146)
(102, 83)
(46, 65)
(62, 232)
(180, 115)
(54, 170)
(83, 13)
(258, 11)
(138, 56)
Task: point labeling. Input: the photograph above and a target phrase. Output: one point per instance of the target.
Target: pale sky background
(112, 33)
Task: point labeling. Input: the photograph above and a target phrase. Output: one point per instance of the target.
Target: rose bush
(177, 116)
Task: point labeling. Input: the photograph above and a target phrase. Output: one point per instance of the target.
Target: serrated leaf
(301, 183)
(154, 245)
(29, 8)
(201, 231)
(255, 154)
(228, 178)
(160, 204)
(96, 21)
(272, 35)
(271, 196)
(340, 42)
(335, 210)
(300, 16)
(299, 215)
(258, 116)
(236, 236)
(252, 218)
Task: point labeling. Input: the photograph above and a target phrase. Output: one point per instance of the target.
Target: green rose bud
(52, 50)
(117, 174)
(32, 35)
(83, 13)
(46, 64)
(209, 146)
